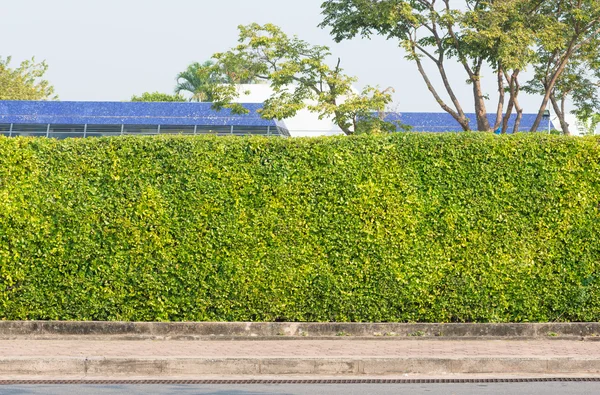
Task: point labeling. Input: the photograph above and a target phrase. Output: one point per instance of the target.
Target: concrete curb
(246, 330)
(169, 367)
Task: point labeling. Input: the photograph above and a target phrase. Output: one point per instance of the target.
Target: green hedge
(409, 227)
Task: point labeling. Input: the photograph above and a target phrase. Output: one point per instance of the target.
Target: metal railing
(61, 131)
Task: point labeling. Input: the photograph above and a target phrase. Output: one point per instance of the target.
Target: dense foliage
(300, 78)
(24, 82)
(403, 227)
(158, 97)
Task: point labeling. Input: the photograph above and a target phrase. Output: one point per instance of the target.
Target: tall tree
(572, 26)
(503, 32)
(579, 83)
(500, 33)
(198, 80)
(25, 82)
(429, 31)
(300, 78)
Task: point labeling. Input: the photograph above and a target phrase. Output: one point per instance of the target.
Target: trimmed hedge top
(406, 228)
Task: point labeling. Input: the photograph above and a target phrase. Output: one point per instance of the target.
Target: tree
(558, 38)
(427, 32)
(199, 79)
(300, 78)
(572, 34)
(500, 33)
(503, 32)
(158, 97)
(195, 81)
(472, 33)
(578, 82)
(24, 82)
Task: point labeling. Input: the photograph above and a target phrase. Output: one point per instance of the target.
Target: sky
(110, 50)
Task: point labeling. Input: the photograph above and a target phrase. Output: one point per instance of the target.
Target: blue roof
(128, 113)
(443, 122)
(184, 113)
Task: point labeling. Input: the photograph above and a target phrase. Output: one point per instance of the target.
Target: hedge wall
(409, 227)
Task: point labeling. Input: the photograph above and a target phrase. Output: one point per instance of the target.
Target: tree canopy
(507, 35)
(24, 82)
(301, 78)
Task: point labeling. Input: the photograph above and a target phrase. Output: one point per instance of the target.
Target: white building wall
(574, 125)
(304, 124)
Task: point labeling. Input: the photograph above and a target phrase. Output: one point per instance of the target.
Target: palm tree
(199, 78)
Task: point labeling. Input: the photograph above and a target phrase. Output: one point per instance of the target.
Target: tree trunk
(500, 109)
(458, 115)
(509, 109)
(516, 88)
(566, 130)
(483, 124)
(511, 101)
(561, 116)
(519, 110)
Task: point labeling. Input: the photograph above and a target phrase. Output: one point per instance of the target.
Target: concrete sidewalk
(343, 356)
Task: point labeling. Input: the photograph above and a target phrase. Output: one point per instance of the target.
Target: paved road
(314, 389)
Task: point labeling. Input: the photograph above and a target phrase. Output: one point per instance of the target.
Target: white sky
(112, 49)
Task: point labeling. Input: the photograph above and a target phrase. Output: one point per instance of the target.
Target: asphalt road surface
(570, 388)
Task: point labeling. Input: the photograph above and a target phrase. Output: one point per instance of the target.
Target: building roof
(185, 114)
(443, 122)
(128, 113)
